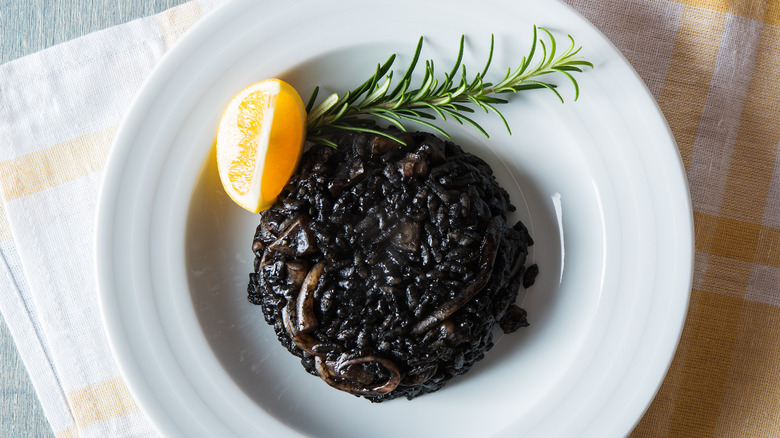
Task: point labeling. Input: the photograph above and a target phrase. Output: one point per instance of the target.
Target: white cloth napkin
(711, 65)
(59, 109)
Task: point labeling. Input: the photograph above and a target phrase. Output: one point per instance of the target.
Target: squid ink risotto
(384, 267)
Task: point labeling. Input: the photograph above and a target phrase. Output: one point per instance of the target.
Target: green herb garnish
(452, 97)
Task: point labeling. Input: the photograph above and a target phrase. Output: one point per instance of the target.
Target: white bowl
(599, 182)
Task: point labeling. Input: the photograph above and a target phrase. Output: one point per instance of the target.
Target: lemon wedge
(259, 142)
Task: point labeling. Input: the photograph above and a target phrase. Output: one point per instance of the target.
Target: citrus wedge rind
(259, 142)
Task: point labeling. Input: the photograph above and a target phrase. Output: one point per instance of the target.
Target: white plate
(599, 182)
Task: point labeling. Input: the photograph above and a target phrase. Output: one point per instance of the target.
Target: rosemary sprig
(454, 97)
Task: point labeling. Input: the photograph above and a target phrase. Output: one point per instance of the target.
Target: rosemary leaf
(446, 98)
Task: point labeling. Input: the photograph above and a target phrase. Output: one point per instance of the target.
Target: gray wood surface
(27, 26)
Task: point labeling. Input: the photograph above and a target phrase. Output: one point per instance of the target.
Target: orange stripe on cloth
(711, 330)
(688, 78)
(738, 240)
(71, 432)
(727, 276)
(715, 5)
(704, 227)
(753, 9)
(772, 15)
(766, 11)
(175, 21)
(751, 396)
(55, 165)
(100, 402)
(722, 363)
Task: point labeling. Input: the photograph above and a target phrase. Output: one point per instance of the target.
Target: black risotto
(385, 267)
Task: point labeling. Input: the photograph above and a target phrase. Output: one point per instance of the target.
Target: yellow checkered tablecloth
(713, 66)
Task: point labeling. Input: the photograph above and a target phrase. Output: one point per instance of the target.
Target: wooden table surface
(27, 26)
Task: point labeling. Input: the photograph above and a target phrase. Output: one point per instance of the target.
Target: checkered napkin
(713, 66)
